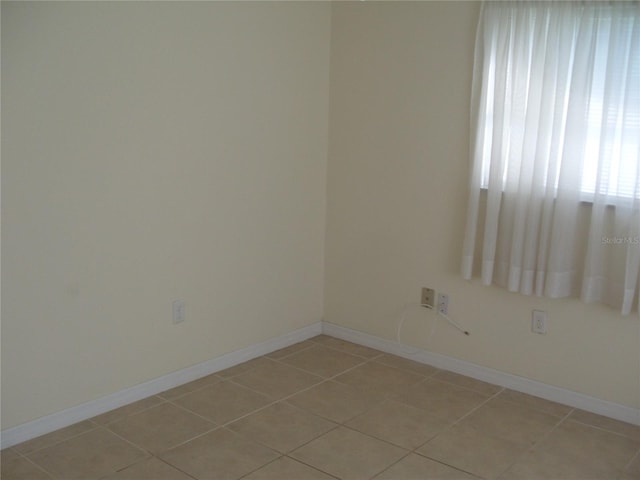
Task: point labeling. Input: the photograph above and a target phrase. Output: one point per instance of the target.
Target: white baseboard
(507, 380)
(69, 416)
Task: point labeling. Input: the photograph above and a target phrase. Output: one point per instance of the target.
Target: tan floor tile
(536, 403)
(244, 367)
(223, 402)
(473, 452)
(348, 454)
(93, 454)
(378, 379)
(405, 364)
(290, 350)
(161, 427)
(400, 424)
(352, 348)
(131, 409)
(20, 468)
(220, 455)
(587, 445)
(467, 382)
(281, 427)
(150, 469)
(190, 387)
(277, 380)
(285, 468)
(445, 400)
(54, 437)
(511, 421)
(416, 467)
(606, 423)
(391, 405)
(335, 401)
(326, 362)
(539, 465)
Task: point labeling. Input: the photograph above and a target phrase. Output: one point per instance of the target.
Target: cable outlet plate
(428, 297)
(443, 303)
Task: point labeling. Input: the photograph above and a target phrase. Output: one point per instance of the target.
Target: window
(613, 82)
(556, 121)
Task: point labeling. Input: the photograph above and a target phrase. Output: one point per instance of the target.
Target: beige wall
(154, 151)
(398, 170)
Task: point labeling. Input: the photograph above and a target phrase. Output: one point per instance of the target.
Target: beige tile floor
(327, 409)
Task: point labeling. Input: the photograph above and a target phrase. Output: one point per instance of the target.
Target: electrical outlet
(539, 322)
(443, 303)
(428, 297)
(178, 311)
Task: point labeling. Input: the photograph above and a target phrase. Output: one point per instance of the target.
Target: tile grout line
(309, 465)
(290, 354)
(453, 467)
(173, 466)
(152, 456)
(287, 397)
(392, 464)
(146, 453)
(166, 399)
(139, 447)
(94, 427)
(262, 466)
(342, 425)
(536, 409)
(473, 410)
(215, 426)
(602, 429)
(53, 444)
(38, 466)
(325, 378)
(542, 438)
(106, 425)
(226, 424)
(333, 427)
(455, 423)
(284, 399)
(633, 458)
(157, 454)
(170, 403)
(344, 350)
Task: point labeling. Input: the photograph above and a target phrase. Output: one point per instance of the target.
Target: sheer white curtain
(554, 207)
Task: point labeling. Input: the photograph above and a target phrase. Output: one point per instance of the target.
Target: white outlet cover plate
(539, 321)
